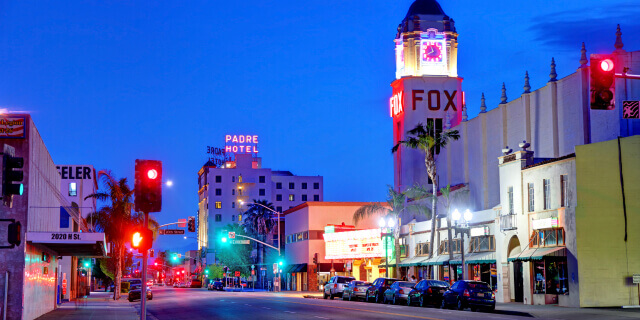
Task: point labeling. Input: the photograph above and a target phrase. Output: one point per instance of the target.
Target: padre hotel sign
(233, 144)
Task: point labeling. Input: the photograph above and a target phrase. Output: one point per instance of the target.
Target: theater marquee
(355, 244)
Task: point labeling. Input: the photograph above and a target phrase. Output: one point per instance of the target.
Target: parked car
(336, 286)
(428, 292)
(134, 283)
(469, 294)
(135, 294)
(376, 290)
(216, 285)
(355, 290)
(177, 285)
(398, 292)
(195, 284)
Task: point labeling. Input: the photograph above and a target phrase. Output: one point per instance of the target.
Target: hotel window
(435, 124)
(304, 185)
(262, 192)
(510, 196)
(278, 185)
(444, 246)
(289, 238)
(218, 217)
(546, 193)
(531, 204)
(278, 197)
(279, 209)
(422, 249)
(262, 179)
(292, 197)
(316, 185)
(218, 179)
(233, 217)
(218, 205)
(316, 197)
(292, 185)
(73, 189)
(240, 191)
(233, 178)
(240, 179)
(482, 243)
(233, 204)
(239, 218)
(304, 197)
(218, 192)
(233, 192)
(564, 187)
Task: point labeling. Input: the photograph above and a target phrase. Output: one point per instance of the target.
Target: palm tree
(392, 209)
(258, 220)
(427, 139)
(117, 218)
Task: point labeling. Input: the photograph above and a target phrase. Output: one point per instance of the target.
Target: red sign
(12, 127)
(253, 272)
(64, 286)
(237, 273)
(396, 104)
(241, 144)
(182, 223)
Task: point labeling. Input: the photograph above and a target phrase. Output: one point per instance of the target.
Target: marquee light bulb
(606, 65)
(152, 174)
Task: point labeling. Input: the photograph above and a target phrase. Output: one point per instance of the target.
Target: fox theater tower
(427, 88)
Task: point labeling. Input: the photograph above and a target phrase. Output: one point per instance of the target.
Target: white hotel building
(553, 120)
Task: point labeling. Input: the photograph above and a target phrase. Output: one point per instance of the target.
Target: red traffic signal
(142, 239)
(148, 185)
(602, 82)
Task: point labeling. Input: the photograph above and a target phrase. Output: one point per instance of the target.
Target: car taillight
(466, 293)
(335, 286)
(355, 289)
(429, 290)
(493, 295)
(401, 291)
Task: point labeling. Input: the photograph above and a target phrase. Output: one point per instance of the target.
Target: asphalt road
(193, 304)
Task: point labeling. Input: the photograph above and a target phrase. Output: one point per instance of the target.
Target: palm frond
(369, 210)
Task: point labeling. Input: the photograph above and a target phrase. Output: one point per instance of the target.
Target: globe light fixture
(381, 223)
(391, 223)
(467, 215)
(456, 215)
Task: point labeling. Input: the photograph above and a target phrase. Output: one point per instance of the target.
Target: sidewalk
(99, 305)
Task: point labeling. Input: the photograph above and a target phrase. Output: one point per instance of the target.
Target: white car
(335, 286)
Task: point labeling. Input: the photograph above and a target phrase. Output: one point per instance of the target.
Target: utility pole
(143, 292)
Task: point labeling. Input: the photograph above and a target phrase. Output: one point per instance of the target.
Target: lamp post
(385, 231)
(462, 229)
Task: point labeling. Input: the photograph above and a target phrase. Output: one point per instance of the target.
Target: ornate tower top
(426, 42)
(583, 57)
(527, 86)
(618, 43)
(553, 76)
(503, 97)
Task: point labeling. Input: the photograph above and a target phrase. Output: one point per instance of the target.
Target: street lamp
(462, 229)
(385, 226)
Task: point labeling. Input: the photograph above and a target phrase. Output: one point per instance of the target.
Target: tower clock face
(432, 51)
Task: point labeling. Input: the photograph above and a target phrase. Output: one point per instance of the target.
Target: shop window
(278, 185)
(482, 244)
(564, 186)
(304, 185)
(262, 179)
(73, 189)
(403, 251)
(422, 249)
(547, 238)
(546, 193)
(289, 239)
(550, 277)
(444, 246)
(530, 190)
(218, 205)
(305, 235)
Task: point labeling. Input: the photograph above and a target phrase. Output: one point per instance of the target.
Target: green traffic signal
(206, 271)
(280, 262)
(224, 239)
(174, 257)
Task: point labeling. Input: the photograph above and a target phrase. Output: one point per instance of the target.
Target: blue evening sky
(111, 81)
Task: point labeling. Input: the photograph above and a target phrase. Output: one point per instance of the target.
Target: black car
(469, 294)
(135, 294)
(375, 292)
(428, 292)
(216, 285)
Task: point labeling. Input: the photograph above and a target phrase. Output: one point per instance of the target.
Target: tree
(116, 219)
(259, 221)
(236, 256)
(392, 209)
(427, 139)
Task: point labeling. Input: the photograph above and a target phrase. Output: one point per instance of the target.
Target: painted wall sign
(12, 127)
(241, 144)
(75, 172)
(631, 109)
(479, 231)
(544, 223)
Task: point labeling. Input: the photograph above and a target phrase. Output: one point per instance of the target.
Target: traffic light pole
(143, 291)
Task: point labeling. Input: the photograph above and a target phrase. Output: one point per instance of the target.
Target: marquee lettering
(396, 104)
(415, 97)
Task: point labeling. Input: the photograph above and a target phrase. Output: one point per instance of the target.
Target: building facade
(492, 182)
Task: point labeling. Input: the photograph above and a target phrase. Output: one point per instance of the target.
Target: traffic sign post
(232, 235)
(170, 231)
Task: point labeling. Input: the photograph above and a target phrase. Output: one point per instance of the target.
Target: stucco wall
(606, 259)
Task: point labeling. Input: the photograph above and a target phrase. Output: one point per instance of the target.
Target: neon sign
(241, 144)
(396, 104)
(353, 244)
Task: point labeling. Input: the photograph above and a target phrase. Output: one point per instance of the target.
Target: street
(192, 304)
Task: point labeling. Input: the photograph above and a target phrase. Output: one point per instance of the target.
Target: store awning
(476, 258)
(539, 253)
(326, 267)
(411, 262)
(439, 260)
(79, 244)
(301, 267)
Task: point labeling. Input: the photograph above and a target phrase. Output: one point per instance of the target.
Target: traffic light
(14, 233)
(602, 82)
(174, 257)
(280, 263)
(148, 185)
(87, 263)
(151, 253)
(11, 172)
(142, 239)
(206, 271)
(192, 224)
(315, 258)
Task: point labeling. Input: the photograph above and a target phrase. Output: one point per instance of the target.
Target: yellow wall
(605, 260)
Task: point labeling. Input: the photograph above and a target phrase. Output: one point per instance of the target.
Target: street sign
(182, 223)
(171, 231)
(636, 278)
(240, 242)
(237, 273)
(232, 235)
(275, 268)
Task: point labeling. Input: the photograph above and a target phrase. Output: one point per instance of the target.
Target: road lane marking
(289, 311)
(354, 309)
(266, 308)
(320, 317)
